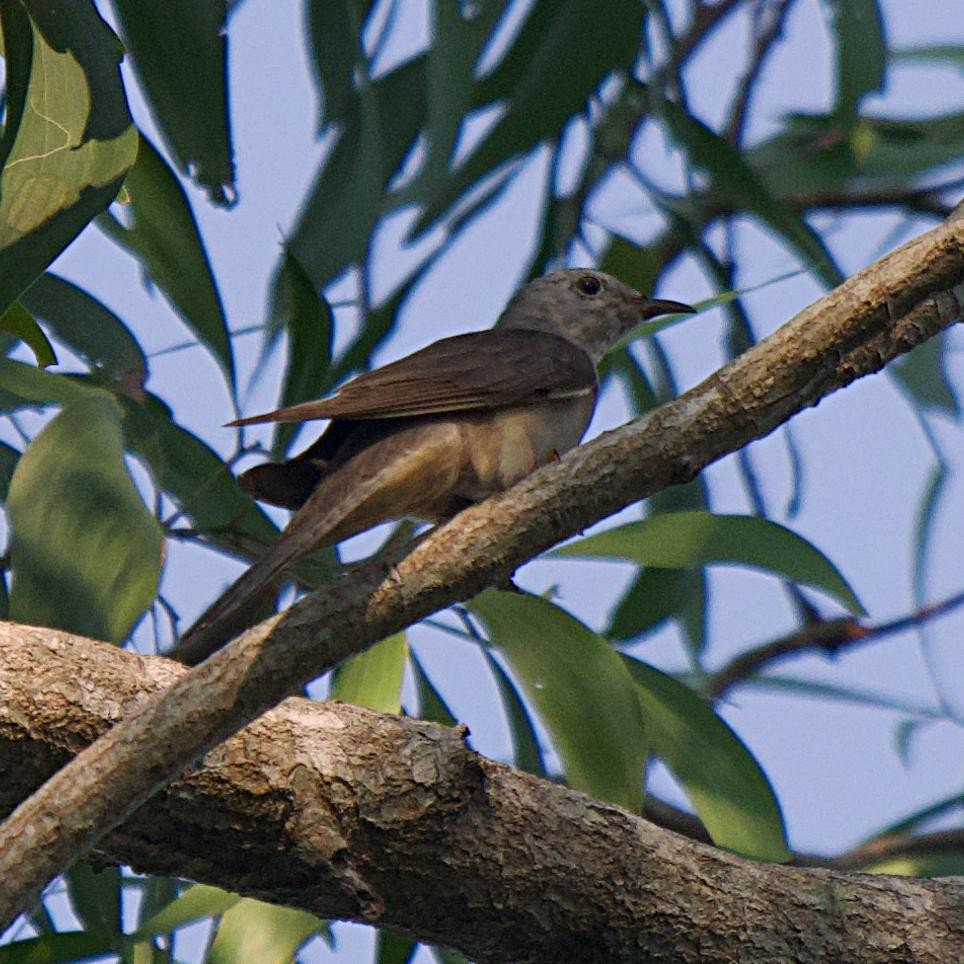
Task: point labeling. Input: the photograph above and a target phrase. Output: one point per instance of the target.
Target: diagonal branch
(353, 814)
(855, 330)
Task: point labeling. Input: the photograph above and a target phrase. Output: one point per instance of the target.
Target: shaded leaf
(24, 386)
(556, 32)
(393, 948)
(431, 706)
(722, 779)
(526, 751)
(918, 865)
(373, 678)
(922, 373)
(924, 529)
(9, 457)
(90, 329)
(580, 689)
(164, 237)
(95, 897)
(310, 334)
(68, 139)
(335, 34)
(194, 476)
(936, 54)
(66, 947)
(736, 182)
(180, 55)
(686, 540)
(86, 553)
(20, 323)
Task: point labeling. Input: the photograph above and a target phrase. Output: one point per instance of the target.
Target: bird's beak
(651, 307)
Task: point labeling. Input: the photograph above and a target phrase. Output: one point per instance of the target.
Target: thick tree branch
(855, 330)
(358, 815)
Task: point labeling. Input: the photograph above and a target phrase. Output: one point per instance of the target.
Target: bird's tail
(235, 609)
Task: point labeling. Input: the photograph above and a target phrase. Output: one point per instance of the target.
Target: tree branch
(854, 330)
(357, 815)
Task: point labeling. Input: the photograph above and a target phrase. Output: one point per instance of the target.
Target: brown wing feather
(479, 371)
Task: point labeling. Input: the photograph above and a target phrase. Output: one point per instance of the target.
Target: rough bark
(353, 814)
(855, 330)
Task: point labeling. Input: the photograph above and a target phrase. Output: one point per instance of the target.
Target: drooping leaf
(723, 781)
(335, 34)
(686, 540)
(538, 105)
(580, 689)
(196, 478)
(373, 678)
(68, 139)
(861, 53)
(180, 51)
(91, 330)
(86, 553)
(736, 182)
(164, 237)
(21, 324)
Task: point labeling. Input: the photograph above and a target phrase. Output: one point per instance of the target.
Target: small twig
(830, 636)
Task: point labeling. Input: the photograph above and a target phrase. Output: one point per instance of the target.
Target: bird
(436, 431)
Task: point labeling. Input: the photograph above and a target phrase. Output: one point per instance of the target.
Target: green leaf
(922, 373)
(687, 540)
(180, 55)
(197, 902)
(24, 386)
(164, 237)
(20, 323)
(918, 865)
(580, 689)
(346, 199)
(51, 948)
(252, 930)
(373, 678)
(68, 139)
(90, 329)
(310, 335)
(861, 53)
(86, 553)
(736, 182)
(723, 781)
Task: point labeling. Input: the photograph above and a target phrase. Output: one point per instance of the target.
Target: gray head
(590, 308)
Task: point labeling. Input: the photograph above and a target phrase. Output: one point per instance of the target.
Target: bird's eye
(588, 285)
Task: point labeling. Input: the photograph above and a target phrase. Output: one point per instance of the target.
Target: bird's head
(590, 308)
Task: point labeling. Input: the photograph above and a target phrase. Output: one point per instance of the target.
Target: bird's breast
(505, 446)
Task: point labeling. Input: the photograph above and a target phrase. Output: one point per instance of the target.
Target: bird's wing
(476, 372)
